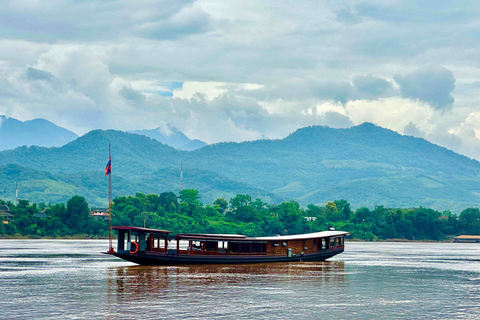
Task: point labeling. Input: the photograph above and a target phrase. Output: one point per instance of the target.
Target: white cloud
(209, 89)
(244, 70)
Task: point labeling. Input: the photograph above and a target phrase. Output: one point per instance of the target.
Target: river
(71, 279)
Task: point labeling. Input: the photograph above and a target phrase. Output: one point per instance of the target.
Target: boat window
(264, 247)
(314, 242)
(211, 246)
(324, 244)
(197, 245)
(222, 247)
(256, 247)
(245, 248)
(234, 247)
(183, 245)
(332, 242)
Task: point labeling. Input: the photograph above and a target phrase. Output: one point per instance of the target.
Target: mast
(110, 245)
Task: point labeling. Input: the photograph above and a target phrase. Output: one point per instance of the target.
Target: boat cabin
(142, 239)
(228, 244)
(153, 246)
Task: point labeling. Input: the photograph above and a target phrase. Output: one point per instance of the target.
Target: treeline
(72, 219)
(185, 213)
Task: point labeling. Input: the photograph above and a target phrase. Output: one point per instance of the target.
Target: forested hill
(366, 164)
(132, 154)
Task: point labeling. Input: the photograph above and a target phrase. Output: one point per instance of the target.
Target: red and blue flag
(108, 168)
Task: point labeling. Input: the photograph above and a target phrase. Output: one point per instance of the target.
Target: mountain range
(367, 165)
(38, 132)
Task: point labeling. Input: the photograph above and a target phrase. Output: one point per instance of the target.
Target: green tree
(77, 215)
(221, 204)
(470, 221)
(241, 208)
(168, 201)
(317, 212)
(344, 207)
(291, 216)
(190, 200)
(142, 218)
(362, 214)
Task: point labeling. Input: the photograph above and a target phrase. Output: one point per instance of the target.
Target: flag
(108, 168)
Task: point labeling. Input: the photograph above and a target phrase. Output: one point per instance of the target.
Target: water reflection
(141, 281)
(55, 279)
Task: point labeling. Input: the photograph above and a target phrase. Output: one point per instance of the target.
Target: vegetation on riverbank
(185, 213)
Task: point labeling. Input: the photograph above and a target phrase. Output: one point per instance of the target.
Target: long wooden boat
(154, 247)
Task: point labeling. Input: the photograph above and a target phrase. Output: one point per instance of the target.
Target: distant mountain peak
(168, 130)
(171, 136)
(37, 132)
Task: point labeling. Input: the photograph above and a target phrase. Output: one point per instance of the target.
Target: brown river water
(71, 279)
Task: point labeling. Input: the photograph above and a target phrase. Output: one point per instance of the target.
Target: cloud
(35, 74)
(165, 129)
(370, 87)
(244, 70)
(394, 113)
(347, 16)
(133, 95)
(412, 130)
(337, 120)
(95, 20)
(406, 12)
(336, 91)
(430, 84)
(187, 21)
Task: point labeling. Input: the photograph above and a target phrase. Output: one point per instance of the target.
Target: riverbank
(76, 237)
(86, 237)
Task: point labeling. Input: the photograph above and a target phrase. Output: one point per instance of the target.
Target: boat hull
(183, 259)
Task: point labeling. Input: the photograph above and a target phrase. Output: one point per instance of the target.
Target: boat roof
(305, 236)
(238, 237)
(141, 229)
(464, 236)
(202, 236)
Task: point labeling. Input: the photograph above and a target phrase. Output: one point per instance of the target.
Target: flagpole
(110, 245)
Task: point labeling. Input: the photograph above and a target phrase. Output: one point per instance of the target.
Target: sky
(245, 70)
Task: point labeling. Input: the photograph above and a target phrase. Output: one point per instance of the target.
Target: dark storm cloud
(430, 84)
